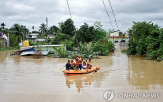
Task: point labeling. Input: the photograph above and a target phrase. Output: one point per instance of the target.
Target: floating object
(22, 49)
(85, 71)
(26, 43)
(25, 48)
(32, 53)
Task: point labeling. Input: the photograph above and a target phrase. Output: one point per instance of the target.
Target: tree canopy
(67, 27)
(147, 39)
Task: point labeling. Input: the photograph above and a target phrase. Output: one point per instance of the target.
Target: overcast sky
(34, 12)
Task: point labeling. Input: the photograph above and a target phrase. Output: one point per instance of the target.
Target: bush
(59, 38)
(147, 39)
(69, 43)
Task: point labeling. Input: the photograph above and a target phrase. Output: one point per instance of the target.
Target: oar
(62, 67)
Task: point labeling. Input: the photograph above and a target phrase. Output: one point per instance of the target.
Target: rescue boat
(89, 70)
(85, 71)
(75, 72)
(95, 68)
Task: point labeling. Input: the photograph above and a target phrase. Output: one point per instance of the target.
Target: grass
(9, 48)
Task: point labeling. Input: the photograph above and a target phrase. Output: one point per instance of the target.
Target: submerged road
(24, 79)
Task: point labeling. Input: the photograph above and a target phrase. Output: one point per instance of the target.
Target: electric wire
(113, 14)
(107, 14)
(69, 9)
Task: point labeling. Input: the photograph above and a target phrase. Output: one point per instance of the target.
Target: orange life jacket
(77, 61)
(89, 64)
(72, 62)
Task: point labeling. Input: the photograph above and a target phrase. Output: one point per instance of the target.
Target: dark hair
(84, 63)
(89, 59)
(68, 60)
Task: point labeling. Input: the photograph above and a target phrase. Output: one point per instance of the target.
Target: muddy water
(24, 79)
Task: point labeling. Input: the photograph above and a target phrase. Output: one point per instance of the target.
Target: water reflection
(3, 56)
(144, 74)
(86, 80)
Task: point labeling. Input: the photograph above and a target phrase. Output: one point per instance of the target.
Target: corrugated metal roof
(32, 53)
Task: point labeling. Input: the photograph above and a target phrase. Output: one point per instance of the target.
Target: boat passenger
(84, 65)
(68, 65)
(72, 64)
(89, 64)
(79, 62)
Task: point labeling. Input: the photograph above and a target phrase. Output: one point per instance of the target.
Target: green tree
(42, 28)
(3, 25)
(147, 39)
(100, 33)
(19, 30)
(85, 33)
(14, 40)
(59, 38)
(67, 27)
(53, 29)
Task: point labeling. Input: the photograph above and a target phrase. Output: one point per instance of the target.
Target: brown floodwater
(24, 79)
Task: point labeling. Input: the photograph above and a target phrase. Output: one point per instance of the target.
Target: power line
(107, 14)
(69, 8)
(113, 14)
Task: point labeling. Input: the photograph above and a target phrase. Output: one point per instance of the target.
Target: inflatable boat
(95, 68)
(85, 71)
(75, 72)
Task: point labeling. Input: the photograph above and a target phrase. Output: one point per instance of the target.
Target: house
(115, 34)
(4, 40)
(117, 37)
(51, 36)
(34, 37)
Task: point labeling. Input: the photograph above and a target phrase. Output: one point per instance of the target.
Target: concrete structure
(4, 40)
(34, 37)
(51, 36)
(116, 38)
(115, 34)
(48, 47)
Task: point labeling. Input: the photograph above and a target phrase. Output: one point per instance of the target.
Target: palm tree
(42, 28)
(3, 25)
(19, 30)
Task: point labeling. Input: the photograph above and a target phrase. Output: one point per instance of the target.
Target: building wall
(4, 42)
(114, 34)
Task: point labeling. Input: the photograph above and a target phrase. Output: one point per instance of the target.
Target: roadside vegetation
(87, 41)
(146, 39)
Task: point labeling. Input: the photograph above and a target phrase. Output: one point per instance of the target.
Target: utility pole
(46, 26)
(129, 44)
(8, 41)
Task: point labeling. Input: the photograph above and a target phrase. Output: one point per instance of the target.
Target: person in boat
(79, 62)
(84, 65)
(68, 65)
(89, 64)
(73, 63)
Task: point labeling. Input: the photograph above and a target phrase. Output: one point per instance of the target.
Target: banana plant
(82, 47)
(88, 52)
(61, 51)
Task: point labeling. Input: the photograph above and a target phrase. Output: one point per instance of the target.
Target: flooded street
(24, 79)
